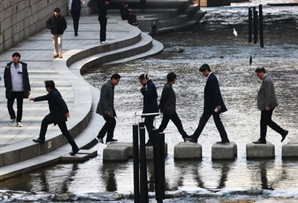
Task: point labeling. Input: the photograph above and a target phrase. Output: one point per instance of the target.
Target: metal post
(261, 25)
(136, 174)
(162, 162)
(157, 166)
(143, 165)
(249, 25)
(255, 25)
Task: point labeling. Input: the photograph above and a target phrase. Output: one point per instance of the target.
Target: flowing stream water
(212, 42)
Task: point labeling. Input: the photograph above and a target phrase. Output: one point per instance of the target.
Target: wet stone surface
(239, 180)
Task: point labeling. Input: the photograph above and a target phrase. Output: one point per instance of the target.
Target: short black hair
(171, 77)
(143, 76)
(17, 54)
(115, 76)
(260, 70)
(57, 10)
(204, 67)
(50, 84)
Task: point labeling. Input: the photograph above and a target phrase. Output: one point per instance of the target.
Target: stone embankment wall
(20, 19)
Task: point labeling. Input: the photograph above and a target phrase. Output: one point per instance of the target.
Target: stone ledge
(290, 151)
(77, 158)
(187, 150)
(254, 151)
(224, 151)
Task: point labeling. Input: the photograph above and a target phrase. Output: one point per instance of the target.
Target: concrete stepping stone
(113, 152)
(254, 151)
(187, 150)
(91, 153)
(290, 150)
(76, 158)
(149, 152)
(224, 151)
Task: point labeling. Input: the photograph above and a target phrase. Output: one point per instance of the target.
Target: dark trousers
(266, 120)
(176, 120)
(205, 117)
(75, 17)
(108, 128)
(149, 126)
(103, 28)
(19, 96)
(62, 125)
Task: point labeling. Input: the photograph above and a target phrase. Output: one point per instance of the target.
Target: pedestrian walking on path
(58, 115)
(213, 105)
(167, 106)
(103, 19)
(74, 7)
(16, 81)
(149, 93)
(267, 101)
(106, 108)
(58, 25)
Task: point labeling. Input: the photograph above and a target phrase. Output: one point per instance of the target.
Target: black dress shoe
(111, 140)
(223, 142)
(74, 152)
(189, 139)
(284, 135)
(259, 142)
(38, 141)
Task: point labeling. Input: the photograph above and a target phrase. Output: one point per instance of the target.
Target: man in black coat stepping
(58, 115)
(213, 105)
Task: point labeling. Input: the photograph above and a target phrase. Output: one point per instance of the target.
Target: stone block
(254, 151)
(187, 150)
(148, 25)
(290, 151)
(75, 158)
(149, 152)
(115, 153)
(89, 152)
(123, 144)
(224, 151)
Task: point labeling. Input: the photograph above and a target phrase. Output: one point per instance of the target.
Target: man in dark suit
(74, 7)
(267, 101)
(16, 81)
(105, 108)
(213, 105)
(167, 106)
(150, 106)
(58, 115)
(103, 19)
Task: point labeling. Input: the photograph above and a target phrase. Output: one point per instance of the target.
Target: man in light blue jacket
(105, 108)
(267, 101)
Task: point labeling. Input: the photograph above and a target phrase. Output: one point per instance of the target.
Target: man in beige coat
(267, 101)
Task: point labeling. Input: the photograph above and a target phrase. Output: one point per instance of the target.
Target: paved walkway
(37, 52)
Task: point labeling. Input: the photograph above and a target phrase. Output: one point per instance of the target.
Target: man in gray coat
(167, 106)
(267, 101)
(105, 108)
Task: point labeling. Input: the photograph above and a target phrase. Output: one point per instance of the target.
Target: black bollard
(261, 25)
(255, 25)
(249, 25)
(136, 177)
(157, 166)
(162, 162)
(143, 166)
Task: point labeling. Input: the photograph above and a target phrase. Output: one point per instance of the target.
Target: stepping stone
(149, 152)
(224, 151)
(91, 153)
(254, 151)
(187, 150)
(123, 144)
(290, 150)
(76, 158)
(115, 153)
